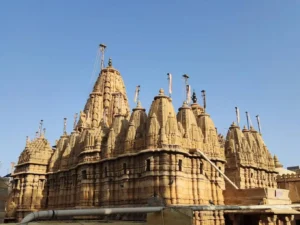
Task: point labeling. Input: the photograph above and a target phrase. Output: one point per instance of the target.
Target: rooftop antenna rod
(204, 99)
(65, 126)
(170, 84)
(258, 124)
(187, 87)
(102, 50)
(247, 116)
(237, 112)
(75, 121)
(137, 94)
(41, 128)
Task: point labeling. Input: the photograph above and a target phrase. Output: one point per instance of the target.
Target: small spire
(194, 97)
(161, 92)
(36, 135)
(277, 163)
(245, 129)
(109, 62)
(185, 104)
(44, 132)
(139, 104)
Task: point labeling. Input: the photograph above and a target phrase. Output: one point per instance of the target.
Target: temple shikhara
(118, 157)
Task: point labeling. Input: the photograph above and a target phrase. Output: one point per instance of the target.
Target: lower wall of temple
(175, 178)
(292, 183)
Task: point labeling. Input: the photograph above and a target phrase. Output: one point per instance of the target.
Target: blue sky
(243, 53)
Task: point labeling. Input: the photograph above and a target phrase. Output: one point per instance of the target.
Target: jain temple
(121, 157)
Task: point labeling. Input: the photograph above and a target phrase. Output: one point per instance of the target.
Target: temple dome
(108, 98)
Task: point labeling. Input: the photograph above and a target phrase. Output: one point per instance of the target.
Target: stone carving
(114, 158)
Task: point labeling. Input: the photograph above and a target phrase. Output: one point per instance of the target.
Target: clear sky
(243, 53)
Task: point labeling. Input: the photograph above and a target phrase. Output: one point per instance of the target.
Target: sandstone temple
(117, 157)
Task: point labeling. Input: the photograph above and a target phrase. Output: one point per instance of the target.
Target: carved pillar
(287, 219)
(268, 220)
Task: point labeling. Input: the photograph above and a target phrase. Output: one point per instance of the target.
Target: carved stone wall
(114, 158)
(249, 163)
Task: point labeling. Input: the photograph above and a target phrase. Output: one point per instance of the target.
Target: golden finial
(161, 92)
(194, 97)
(139, 104)
(110, 62)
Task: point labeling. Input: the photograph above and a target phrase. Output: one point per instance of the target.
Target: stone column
(287, 219)
(268, 220)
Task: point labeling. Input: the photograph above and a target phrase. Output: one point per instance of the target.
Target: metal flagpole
(186, 78)
(170, 84)
(258, 123)
(237, 112)
(204, 99)
(247, 116)
(102, 49)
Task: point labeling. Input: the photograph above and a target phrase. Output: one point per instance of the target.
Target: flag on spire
(188, 94)
(137, 91)
(237, 111)
(258, 123)
(250, 122)
(170, 83)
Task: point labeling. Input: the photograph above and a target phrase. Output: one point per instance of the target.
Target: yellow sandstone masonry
(117, 158)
